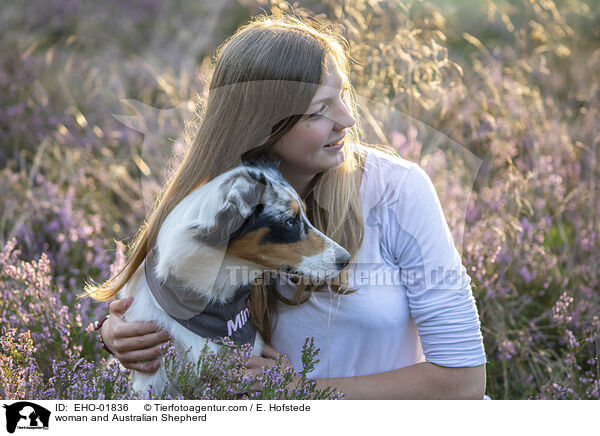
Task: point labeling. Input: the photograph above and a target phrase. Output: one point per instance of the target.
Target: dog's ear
(241, 195)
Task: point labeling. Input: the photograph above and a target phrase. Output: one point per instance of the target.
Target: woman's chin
(331, 159)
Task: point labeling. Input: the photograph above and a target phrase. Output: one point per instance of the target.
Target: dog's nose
(342, 264)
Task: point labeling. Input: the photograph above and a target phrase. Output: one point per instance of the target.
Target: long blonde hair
(264, 78)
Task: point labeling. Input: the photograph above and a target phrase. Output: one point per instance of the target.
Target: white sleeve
(439, 291)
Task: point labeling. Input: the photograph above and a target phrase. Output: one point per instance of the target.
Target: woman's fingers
(119, 307)
(139, 344)
(121, 328)
(138, 356)
(257, 362)
(124, 329)
(270, 352)
(141, 353)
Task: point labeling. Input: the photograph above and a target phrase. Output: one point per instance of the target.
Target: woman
(282, 83)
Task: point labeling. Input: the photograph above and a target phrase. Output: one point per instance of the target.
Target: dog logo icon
(26, 415)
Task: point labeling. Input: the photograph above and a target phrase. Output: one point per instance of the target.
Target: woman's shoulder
(384, 154)
(383, 166)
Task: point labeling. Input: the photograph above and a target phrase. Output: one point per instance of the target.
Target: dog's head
(252, 213)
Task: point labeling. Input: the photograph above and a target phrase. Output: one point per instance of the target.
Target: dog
(248, 217)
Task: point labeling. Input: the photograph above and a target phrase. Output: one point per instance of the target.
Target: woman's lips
(336, 145)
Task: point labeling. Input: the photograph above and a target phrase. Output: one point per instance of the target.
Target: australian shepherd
(246, 219)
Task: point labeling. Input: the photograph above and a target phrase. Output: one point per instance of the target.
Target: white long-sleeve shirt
(413, 301)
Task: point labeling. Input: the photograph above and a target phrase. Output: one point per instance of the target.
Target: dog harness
(213, 321)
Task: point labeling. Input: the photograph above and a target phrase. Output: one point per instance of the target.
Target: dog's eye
(290, 222)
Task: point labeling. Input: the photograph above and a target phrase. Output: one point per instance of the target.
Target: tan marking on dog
(275, 255)
(294, 207)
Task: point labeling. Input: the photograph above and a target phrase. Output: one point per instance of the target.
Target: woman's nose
(345, 119)
(350, 121)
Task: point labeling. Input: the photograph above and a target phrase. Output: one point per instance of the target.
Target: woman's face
(302, 150)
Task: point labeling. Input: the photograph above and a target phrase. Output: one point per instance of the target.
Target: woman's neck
(302, 183)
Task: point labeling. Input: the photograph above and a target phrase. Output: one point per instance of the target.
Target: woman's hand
(268, 359)
(137, 345)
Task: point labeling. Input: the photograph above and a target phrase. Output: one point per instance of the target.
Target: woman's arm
(137, 345)
(422, 381)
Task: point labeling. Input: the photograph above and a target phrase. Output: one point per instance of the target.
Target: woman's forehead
(333, 77)
(334, 81)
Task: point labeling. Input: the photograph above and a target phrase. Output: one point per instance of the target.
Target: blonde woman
(280, 89)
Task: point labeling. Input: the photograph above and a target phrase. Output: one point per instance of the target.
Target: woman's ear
(240, 197)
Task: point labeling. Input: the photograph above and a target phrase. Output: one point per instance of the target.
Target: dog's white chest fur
(145, 308)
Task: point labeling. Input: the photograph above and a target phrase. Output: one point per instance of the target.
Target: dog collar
(213, 321)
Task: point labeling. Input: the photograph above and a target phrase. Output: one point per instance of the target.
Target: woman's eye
(319, 112)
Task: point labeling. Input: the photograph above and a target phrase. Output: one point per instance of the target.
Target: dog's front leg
(142, 382)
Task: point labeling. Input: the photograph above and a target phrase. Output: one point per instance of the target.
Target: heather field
(498, 101)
